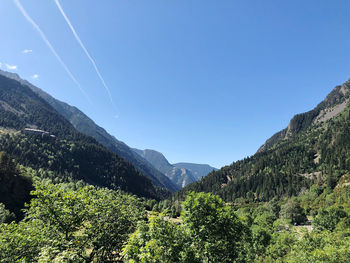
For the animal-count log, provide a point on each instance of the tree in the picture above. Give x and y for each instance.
(159, 241)
(210, 232)
(293, 211)
(5, 215)
(14, 187)
(216, 232)
(62, 223)
(329, 218)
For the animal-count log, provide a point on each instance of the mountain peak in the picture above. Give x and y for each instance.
(331, 106)
(181, 174)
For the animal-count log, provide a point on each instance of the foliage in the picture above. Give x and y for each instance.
(86, 224)
(329, 218)
(210, 232)
(5, 215)
(160, 241)
(293, 211)
(14, 188)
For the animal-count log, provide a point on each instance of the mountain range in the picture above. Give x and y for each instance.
(87, 126)
(314, 146)
(181, 174)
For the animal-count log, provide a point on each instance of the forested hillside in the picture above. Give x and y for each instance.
(314, 147)
(52, 144)
(85, 125)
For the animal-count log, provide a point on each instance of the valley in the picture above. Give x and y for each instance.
(264, 208)
(174, 131)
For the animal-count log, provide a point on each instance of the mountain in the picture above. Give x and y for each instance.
(314, 148)
(198, 170)
(332, 105)
(42, 140)
(181, 174)
(85, 125)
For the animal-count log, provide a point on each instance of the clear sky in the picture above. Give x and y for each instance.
(200, 81)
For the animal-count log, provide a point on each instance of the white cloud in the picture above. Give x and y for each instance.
(0, 64)
(11, 67)
(27, 51)
(35, 76)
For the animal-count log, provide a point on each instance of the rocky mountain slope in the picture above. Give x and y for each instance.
(181, 174)
(332, 105)
(198, 170)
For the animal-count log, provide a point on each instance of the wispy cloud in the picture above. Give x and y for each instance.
(27, 51)
(35, 76)
(11, 67)
(86, 52)
(47, 42)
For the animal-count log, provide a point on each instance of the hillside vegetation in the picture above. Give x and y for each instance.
(85, 125)
(68, 154)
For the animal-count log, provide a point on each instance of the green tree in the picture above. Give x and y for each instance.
(329, 218)
(159, 241)
(216, 232)
(5, 215)
(62, 223)
(210, 232)
(293, 211)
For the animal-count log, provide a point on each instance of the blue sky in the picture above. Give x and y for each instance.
(200, 81)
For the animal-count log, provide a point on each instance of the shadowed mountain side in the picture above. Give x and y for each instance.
(85, 125)
(38, 136)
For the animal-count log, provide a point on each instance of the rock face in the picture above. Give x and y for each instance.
(330, 107)
(198, 170)
(181, 174)
(85, 125)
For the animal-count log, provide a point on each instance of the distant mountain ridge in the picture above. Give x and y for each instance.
(198, 170)
(181, 174)
(85, 125)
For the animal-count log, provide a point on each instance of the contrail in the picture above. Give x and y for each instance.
(47, 42)
(86, 51)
